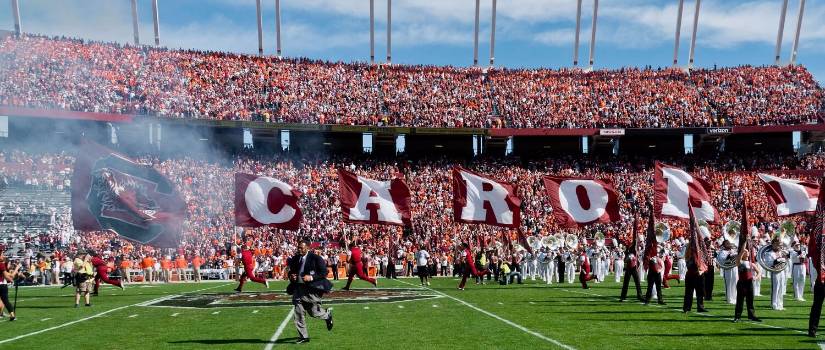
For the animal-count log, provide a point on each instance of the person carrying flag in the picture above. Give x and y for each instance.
(356, 267)
(696, 265)
(102, 269)
(746, 263)
(248, 258)
(653, 262)
(585, 274)
(631, 265)
(816, 241)
(469, 266)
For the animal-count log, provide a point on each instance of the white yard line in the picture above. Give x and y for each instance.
(280, 330)
(510, 323)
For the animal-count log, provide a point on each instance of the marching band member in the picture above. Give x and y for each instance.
(681, 264)
(584, 270)
(655, 266)
(778, 280)
(570, 266)
(798, 258)
(667, 275)
(631, 271)
(618, 264)
(744, 286)
(730, 275)
(709, 275)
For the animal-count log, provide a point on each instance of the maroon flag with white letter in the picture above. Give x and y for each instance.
(677, 191)
(580, 201)
(368, 201)
(265, 201)
(478, 199)
(790, 196)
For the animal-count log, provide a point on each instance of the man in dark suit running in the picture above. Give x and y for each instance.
(307, 284)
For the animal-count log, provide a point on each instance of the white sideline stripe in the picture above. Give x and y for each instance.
(511, 323)
(366, 307)
(46, 319)
(175, 314)
(133, 316)
(66, 324)
(279, 330)
(254, 311)
(97, 315)
(216, 312)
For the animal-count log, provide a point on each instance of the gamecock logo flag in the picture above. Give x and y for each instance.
(790, 196)
(265, 201)
(478, 199)
(675, 190)
(115, 193)
(368, 201)
(581, 201)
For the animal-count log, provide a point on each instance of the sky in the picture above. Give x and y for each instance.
(529, 33)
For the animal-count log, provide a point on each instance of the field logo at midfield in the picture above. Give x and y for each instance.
(263, 299)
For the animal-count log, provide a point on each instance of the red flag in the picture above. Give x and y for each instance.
(522, 239)
(676, 191)
(265, 201)
(790, 196)
(651, 244)
(367, 201)
(743, 228)
(816, 239)
(580, 201)
(113, 192)
(478, 199)
(696, 246)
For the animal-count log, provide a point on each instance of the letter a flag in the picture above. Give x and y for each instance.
(265, 201)
(368, 201)
(478, 199)
(112, 192)
(580, 201)
(677, 191)
(790, 196)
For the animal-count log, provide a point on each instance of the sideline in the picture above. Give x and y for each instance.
(101, 314)
(511, 323)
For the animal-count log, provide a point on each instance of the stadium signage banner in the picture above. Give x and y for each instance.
(717, 131)
(611, 132)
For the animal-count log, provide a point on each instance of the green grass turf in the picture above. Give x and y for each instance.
(581, 319)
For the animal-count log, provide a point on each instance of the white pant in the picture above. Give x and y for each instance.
(798, 281)
(570, 272)
(778, 286)
(757, 286)
(618, 269)
(730, 276)
(682, 269)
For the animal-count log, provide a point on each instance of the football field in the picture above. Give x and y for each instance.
(400, 314)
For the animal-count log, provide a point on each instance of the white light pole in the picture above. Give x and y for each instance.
(389, 31)
(678, 32)
(372, 31)
(781, 31)
(15, 10)
(475, 36)
(578, 30)
(155, 19)
(260, 28)
(593, 33)
(135, 22)
(693, 38)
(798, 28)
(278, 27)
(493, 36)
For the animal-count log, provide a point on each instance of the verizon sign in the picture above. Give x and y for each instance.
(717, 131)
(611, 132)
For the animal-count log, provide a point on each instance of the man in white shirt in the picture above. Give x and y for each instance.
(422, 259)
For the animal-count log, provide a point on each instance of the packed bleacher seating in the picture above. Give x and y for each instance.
(77, 75)
(208, 189)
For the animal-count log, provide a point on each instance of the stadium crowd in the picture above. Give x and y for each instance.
(211, 242)
(77, 75)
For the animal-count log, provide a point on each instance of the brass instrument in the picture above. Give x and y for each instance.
(571, 241)
(662, 230)
(598, 238)
(534, 242)
(730, 232)
(782, 253)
